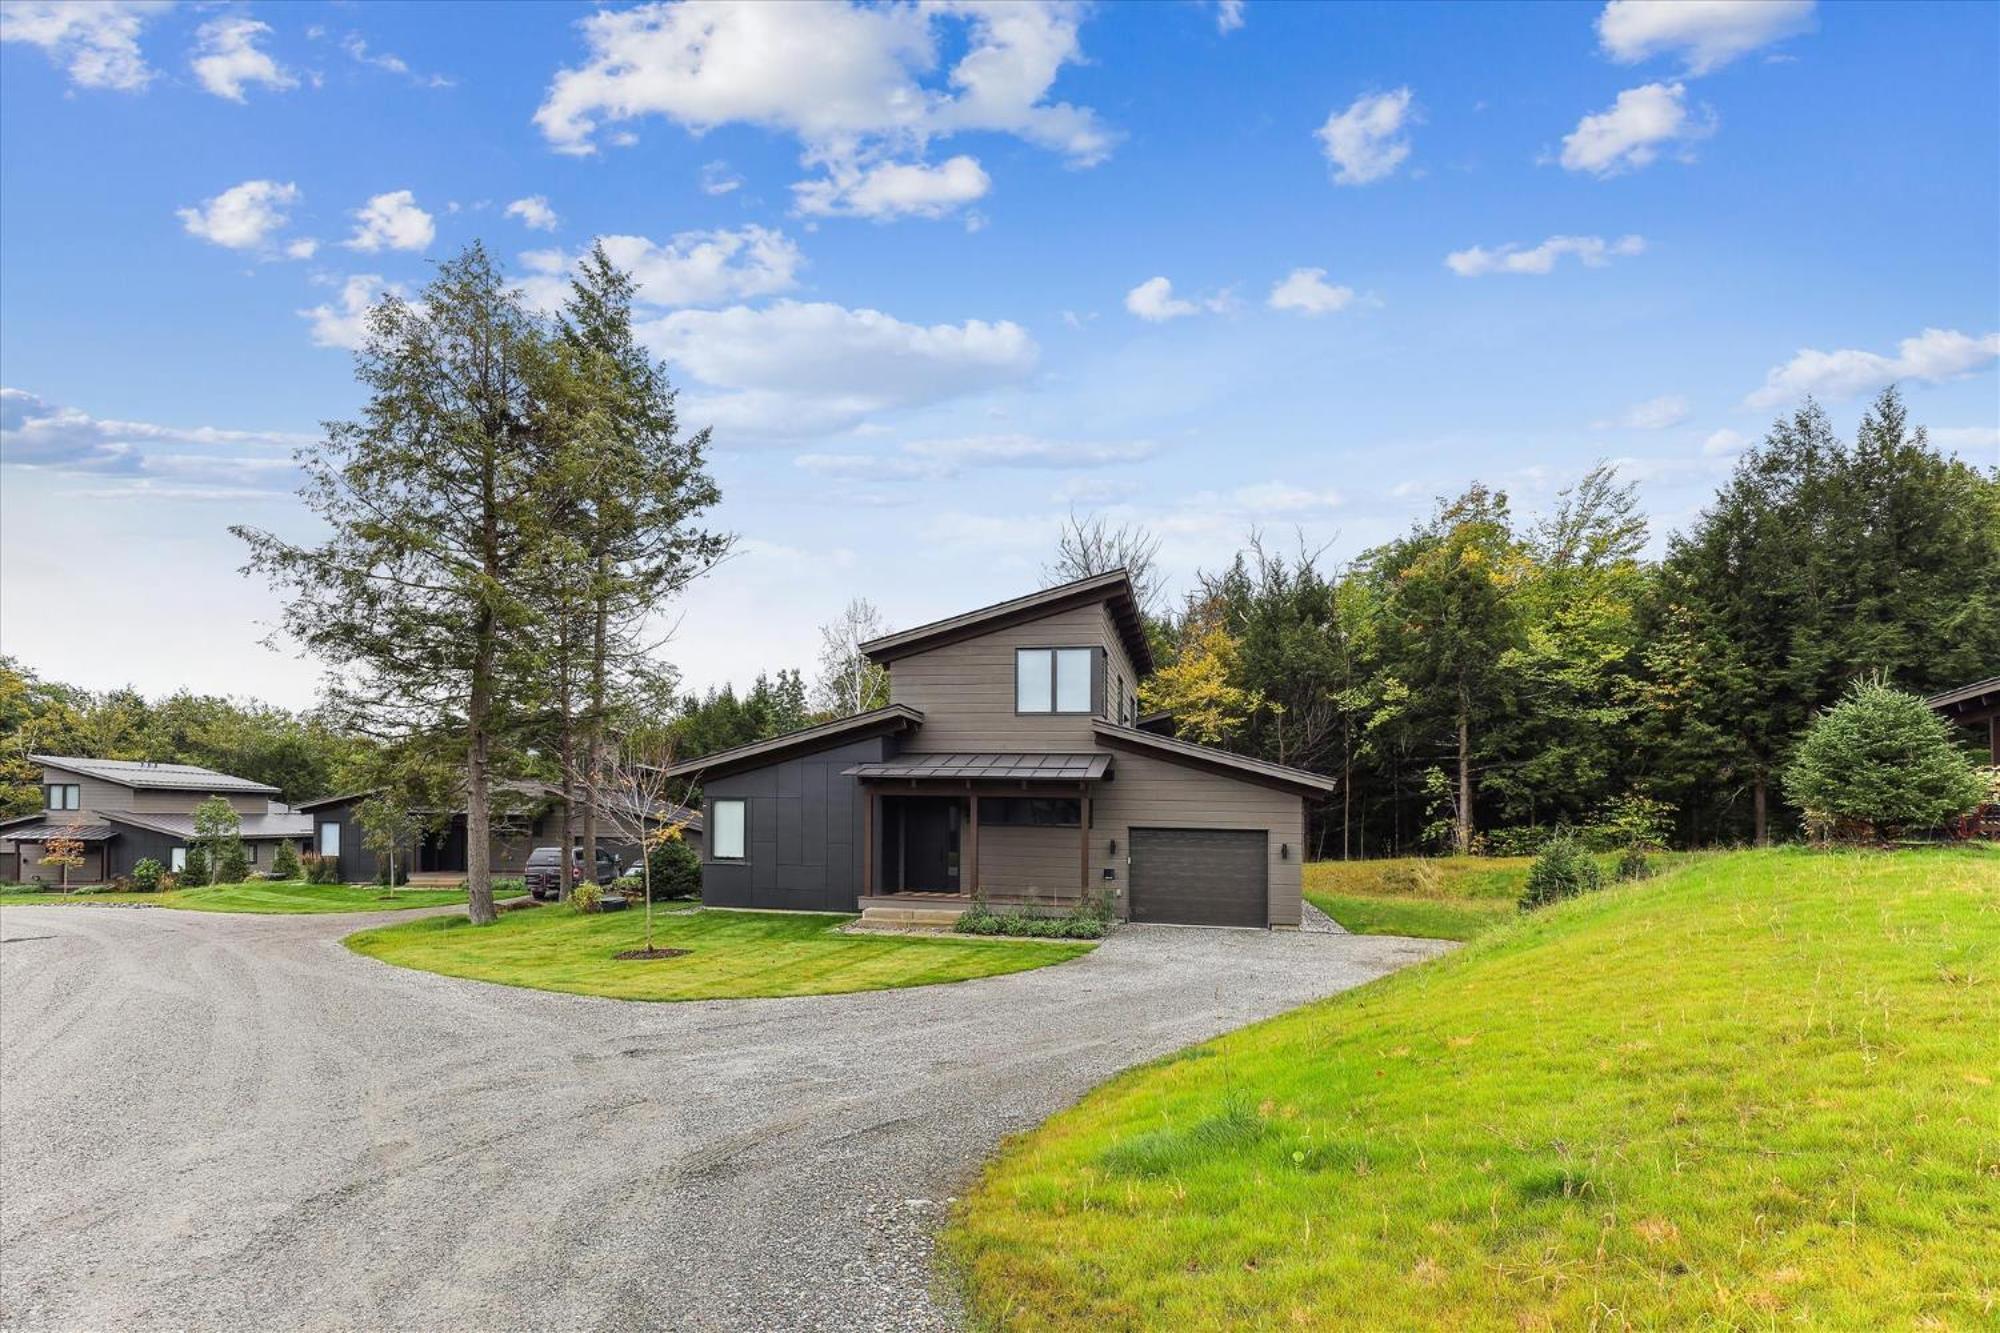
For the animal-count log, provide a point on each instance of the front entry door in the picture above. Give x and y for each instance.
(930, 837)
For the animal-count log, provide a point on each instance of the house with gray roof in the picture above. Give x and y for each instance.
(125, 810)
(1011, 763)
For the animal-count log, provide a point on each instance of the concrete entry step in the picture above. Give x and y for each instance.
(911, 915)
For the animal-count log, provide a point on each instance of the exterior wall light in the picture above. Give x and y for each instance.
(1284, 851)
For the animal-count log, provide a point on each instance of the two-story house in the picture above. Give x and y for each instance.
(1009, 762)
(123, 811)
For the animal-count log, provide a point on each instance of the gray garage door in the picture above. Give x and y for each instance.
(1200, 877)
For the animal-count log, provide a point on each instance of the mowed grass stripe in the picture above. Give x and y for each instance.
(1757, 1091)
(732, 954)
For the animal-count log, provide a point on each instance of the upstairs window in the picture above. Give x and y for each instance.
(63, 796)
(1052, 680)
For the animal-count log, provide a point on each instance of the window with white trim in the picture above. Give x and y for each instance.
(329, 840)
(726, 819)
(1052, 680)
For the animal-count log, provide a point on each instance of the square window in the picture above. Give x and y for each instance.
(726, 819)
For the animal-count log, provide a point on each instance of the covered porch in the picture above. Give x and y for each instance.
(941, 830)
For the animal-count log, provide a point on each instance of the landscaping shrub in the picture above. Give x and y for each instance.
(382, 874)
(285, 862)
(146, 875)
(194, 871)
(232, 866)
(585, 897)
(1633, 863)
(1563, 870)
(676, 870)
(169, 881)
(321, 869)
(1090, 919)
(509, 888)
(1879, 762)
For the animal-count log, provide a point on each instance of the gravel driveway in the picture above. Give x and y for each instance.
(215, 1122)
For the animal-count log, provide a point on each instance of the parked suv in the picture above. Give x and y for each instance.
(544, 872)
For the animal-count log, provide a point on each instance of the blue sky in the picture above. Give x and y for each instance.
(939, 275)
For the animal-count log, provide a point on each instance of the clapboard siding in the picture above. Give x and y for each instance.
(1043, 862)
(1153, 793)
(94, 793)
(966, 690)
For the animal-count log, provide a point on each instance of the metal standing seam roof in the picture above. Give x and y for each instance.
(253, 827)
(43, 832)
(153, 777)
(1252, 769)
(989, 767)
(891, 717)
(1114, 587)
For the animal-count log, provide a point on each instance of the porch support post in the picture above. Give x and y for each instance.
(970, 876)
(1083, 827)
(868, 800)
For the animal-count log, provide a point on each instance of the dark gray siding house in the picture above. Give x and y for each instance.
(1012, 763)
(526, 815)
(124, 811)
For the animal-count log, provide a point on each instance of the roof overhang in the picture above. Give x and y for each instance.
(1972, 703)
(1241, 767)
(876, 722)
(1114, 589)
(43, 832)
(986, 767)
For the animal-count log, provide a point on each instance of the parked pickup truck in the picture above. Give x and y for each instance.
(544, 872)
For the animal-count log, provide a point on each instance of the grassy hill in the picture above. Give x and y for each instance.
(1759, 1090)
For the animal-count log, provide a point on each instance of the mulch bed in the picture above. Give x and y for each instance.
(648, 955)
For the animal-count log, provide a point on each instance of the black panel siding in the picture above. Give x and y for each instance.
(802, 831)
(1200, 877)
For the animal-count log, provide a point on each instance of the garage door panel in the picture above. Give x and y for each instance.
(1200, 877)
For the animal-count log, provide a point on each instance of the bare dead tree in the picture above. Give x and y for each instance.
(1088, 546)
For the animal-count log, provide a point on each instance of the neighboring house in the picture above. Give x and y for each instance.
(1010, 761)
(124, 811)
(525, 815)
(1975, 706)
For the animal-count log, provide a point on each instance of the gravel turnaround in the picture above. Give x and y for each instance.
(224, 1122)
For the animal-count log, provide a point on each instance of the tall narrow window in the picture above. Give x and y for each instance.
(1119, 716)
(329, 840)
(1052, 680)
(725, 830)
(177, 860)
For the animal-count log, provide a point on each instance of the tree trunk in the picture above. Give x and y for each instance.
(566, 761)
(478, 786)
(593, 728)
(1464, 838)
(1346, 791)
(1760, 810)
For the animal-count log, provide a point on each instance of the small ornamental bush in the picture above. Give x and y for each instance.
(504, 888)
(1877, 763)
(194, 871)
(1089, 920)
(321, 869)
(146, 875)
(285, 862)
(1633, 863)
(233, 865)
(676, 870)
(169, 881)
(1563, 870)
(585, 897)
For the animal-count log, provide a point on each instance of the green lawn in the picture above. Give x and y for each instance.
(1440, 898)
(1758, 1091)
(263, 897)
(733, 954)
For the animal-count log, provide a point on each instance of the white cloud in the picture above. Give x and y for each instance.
(357, 48)
(894, 189)
(1933, 356)
(95, 41)
(794, 368)
(1228, 15)
(717, 178)
(693, 268)
(1154, 301)
(842, 77)
(935, 460)
(392, 221)
(303, 248)
(343, 322)
(242, 217)
(1722, 443)
(1591, 251)
(1281, 497)
(1968, 437)
(1653, 414)
(227, 58)
(534, 212)
(1629, 134)
(1707, 34)
(35, 433)
(1367, 142)
(1307, 291)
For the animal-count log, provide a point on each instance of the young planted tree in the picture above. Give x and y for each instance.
(389, 829)
(217, 830)
(434, 503)
(640, 486)
(848, 682)
(1881, 761)
(639, 807)
(285, 862)
(64, 850)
